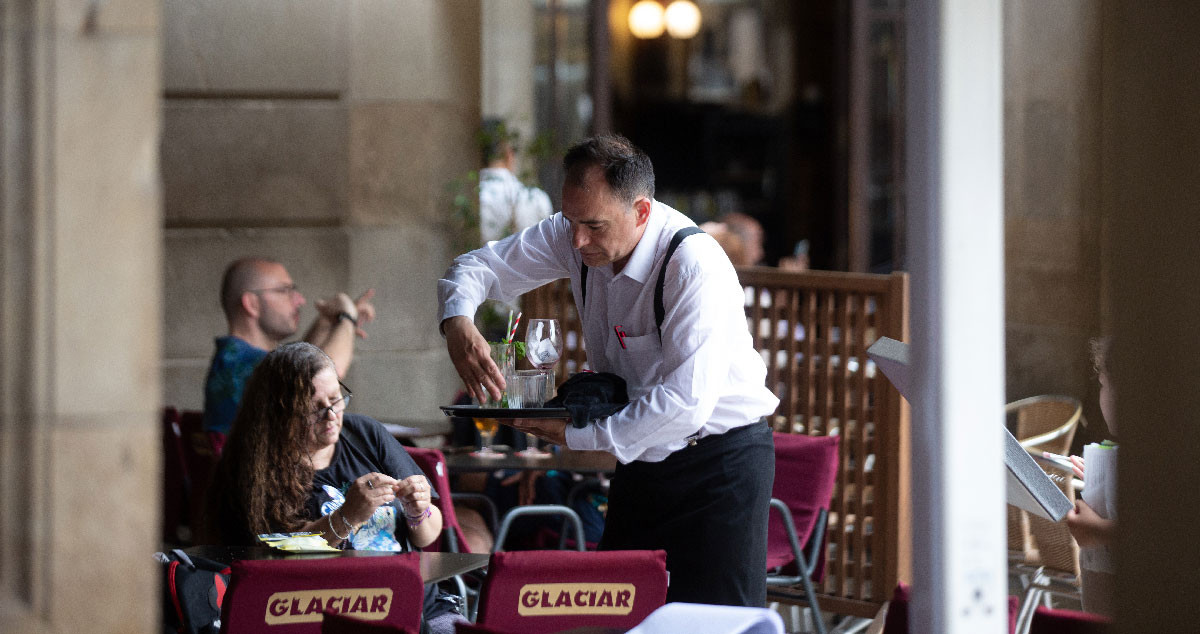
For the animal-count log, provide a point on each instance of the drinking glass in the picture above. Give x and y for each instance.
(487, 431)
(505, 357)
(543, 347)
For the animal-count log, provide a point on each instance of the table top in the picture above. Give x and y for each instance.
(435, 567)
(563, 460)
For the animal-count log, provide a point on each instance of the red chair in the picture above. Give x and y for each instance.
(201, 450)
(433, 463)
(542, 591)
(896, 621)
(176, 485)
(291, 596)
(1051, 621)
(805, 474)
(341, 624)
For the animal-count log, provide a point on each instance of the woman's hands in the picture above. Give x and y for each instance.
(414, 495)
(366, 494)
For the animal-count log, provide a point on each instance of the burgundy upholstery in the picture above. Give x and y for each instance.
(896, 621)
(201, 449)
(473, 628)
(1050, 621)
(175, 478)
(290, 596)
(805, 473)
(433, 463)
(341, 624)
(540, 591)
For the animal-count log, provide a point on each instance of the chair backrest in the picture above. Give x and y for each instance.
(290, 596)
(1052, 621)
(542, 591)
(1046, 423)
(176, 487)
(201, 450)
(896, 620)
(335, 623)
(805, 474)
(433, 463)
(1056, 547)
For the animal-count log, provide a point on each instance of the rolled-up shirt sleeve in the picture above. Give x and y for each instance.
(505, 269)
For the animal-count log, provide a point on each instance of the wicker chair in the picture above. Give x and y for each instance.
(1046, 423)
(1058, 556)
(1042, 423)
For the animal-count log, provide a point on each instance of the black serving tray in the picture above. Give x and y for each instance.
(475, 411)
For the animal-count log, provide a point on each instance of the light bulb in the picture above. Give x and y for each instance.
(683, 19)
(646, 19)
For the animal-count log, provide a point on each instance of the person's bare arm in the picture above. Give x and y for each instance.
(334, 333)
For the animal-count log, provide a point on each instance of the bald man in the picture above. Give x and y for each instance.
(262, 308)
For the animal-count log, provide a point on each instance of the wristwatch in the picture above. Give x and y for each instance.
(346, 316)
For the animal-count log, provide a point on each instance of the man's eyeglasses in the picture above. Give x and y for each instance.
(336, 407)
(290, 289)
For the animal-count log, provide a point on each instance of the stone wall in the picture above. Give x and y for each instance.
(320, 134)
(1052, 197)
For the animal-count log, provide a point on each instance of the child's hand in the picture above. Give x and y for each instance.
(1088, 528)
(1077, 466)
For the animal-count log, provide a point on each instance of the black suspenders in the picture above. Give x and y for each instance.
(660, 311)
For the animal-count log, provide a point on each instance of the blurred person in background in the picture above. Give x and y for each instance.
(262, 308)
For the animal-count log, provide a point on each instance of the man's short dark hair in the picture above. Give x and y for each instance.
(494, 138)
(240, 276)
(627, 169)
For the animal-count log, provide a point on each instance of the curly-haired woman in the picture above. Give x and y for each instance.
(295, 461)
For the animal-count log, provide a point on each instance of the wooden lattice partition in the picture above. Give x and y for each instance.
(813, 329)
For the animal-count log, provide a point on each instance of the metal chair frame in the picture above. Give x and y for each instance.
(805, 564)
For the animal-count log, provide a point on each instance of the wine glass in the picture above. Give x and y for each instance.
(543, 348)
(487, 432)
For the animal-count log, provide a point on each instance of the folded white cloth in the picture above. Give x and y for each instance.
(695, 618)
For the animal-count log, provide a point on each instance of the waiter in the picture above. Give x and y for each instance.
(696, 460)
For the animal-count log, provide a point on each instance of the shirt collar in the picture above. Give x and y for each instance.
(641, 261)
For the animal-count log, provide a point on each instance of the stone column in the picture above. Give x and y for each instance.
(80, 316)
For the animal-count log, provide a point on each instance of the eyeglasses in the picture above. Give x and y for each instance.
(335, 408)
(290, 289)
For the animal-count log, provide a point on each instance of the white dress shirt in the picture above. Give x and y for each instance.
(704, 378)
(507, 205)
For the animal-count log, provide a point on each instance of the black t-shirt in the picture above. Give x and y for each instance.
(364, 446)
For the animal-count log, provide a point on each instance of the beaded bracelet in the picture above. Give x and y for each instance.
(415, 520)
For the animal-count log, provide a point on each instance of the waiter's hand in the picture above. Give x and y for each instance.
(472, 357)
(551, 430)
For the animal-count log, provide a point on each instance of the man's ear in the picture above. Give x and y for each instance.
(642, 207)
(250, 304)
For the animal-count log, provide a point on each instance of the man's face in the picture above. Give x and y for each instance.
(603, 229)
(279, 302)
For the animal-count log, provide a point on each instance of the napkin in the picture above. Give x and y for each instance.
(591, 395)
(296, 542)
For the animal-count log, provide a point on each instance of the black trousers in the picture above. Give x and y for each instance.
(706, 505)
